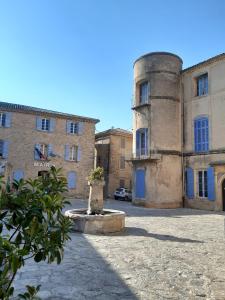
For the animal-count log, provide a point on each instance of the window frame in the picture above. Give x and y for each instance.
(202, 85)
(2, 119)
(45, 124)
(44, 151)
(201, 134)
(202, 183)
(73, 153)
(74, 128)
(1, 148)
(143, 95)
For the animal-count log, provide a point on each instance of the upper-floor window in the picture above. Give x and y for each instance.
(142, 141)
(41, 151)
(45, 124)
(122, 162)
(5, 119)
(202, 85)
(201, 134)
(122, 142)
(202, 184)
(74, 127)
(72, 153)
(143, 92)
(2, 119)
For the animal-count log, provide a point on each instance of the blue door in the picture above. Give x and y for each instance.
(140, 183)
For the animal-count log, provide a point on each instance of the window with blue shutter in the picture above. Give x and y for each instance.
(37, 151)
(211, 183)
(78, 153)
(142, 141)
(18, 174)
(5, 119)
(4, 148)
(203, 184)
(189, 183)
(140, 183)
(71, 180)
(67, 152)
(44, 124)
(201, 134)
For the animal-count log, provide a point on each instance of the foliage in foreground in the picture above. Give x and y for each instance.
(32, 225)
(96, 174)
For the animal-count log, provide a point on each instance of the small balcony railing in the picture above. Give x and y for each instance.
(145, 154)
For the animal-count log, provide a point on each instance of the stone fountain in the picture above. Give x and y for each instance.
(96, 219)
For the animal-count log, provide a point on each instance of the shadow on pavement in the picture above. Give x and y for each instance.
(83, 274)
(134, 231)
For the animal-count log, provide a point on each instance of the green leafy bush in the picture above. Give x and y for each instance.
(32, 225)
(96, 174)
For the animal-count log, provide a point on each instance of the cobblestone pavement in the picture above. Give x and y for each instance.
(162, 254)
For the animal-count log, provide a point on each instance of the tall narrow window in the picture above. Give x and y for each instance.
(73, 128)
(2, 119)
(201, 133)
(45, 124)
(122, 162)
(202, 184)
(122, 183)
(122, 142)
(73, 153)
(1, 148)
(142, 141)
(144, 92)
(202, 85)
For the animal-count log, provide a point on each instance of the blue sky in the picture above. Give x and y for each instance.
(77, 56)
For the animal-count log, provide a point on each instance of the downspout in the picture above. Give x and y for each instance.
(182, 140)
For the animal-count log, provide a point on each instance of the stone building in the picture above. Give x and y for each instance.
(33, 139)
(179, 123)
(114, 147)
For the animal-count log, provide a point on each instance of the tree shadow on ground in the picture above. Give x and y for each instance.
(83, 274)
(135, 231)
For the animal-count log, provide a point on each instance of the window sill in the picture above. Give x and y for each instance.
(200, 97)
(140, 105)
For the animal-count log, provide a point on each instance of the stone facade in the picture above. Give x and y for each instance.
(22, 135)
(178, 150)
(114, 147)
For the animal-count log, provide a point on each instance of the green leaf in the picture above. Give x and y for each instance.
(2, 215)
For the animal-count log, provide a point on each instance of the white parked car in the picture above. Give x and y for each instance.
(123, 194)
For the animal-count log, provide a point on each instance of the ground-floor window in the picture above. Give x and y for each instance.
(202, 184)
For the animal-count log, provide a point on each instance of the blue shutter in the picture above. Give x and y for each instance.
(80, 128)
(79, 153)
(71, 180)
(52, 125)
(211, 183)
(36, 154)
(146, 141)
(201, 134)
(138, 143)
(8, 119)
(196, 134)
(18, 174)
(190, 183)
(38, 123)
(50, 150)
(140, 183)
(67, 152)
(68, 126)
(5, 149)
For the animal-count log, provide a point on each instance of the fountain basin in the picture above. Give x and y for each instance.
(110, 221)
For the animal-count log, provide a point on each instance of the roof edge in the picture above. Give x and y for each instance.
(157, 53)
(205, 62)
(7, 106)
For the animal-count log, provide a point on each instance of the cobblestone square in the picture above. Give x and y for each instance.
(162, 254)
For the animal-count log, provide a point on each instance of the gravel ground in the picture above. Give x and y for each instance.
(162, 254)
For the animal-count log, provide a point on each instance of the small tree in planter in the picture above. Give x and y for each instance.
(96, 183)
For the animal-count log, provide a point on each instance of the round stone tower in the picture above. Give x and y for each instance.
(157, 137)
